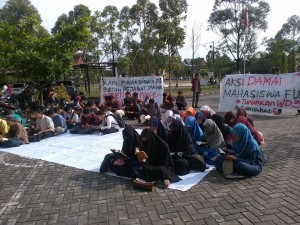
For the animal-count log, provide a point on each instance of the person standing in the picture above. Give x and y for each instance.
(196, 89)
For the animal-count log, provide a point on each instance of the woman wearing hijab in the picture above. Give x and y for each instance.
(224, 128)
(229, 118)
(207, 111)
(159, 164)
(157, 127)
(167, 119)
(213, 135)
(119, 165)
(257, 135)
(181, 145)
(198, 137)
(242, 112)
(190, 111)
(194, 130)
(200, 119)
(248, 157)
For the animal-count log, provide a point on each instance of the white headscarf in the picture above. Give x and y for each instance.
(164, 120)
(207, 108)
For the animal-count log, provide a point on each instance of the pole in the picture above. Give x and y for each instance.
(112, 51)
(244, 64)
(213, 55)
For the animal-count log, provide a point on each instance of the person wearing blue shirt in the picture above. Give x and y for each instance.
(60, 125)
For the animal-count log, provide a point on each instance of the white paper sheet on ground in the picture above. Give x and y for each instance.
(87, 152)
(190, 180)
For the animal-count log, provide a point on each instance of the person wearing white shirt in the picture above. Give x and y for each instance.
(71, 117)
(108, 122)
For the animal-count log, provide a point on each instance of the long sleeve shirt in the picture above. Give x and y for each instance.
(91, 120)
(109, 122)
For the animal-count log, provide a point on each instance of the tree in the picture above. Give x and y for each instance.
(15, 11)
(285, 41)
(228, 20)
(195, 39)
(290, 29)
(283, 65)
(21, 40)
(220, 63)
(170, 33)
(144, 15)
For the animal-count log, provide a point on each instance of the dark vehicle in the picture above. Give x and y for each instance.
(212, 82)
(69, 85)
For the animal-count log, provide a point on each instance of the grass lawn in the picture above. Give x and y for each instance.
(95, 92)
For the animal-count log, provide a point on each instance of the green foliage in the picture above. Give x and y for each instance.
(283, 65)
(227, 19)
(28, 50)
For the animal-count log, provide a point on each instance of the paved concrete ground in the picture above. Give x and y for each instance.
(38, 192)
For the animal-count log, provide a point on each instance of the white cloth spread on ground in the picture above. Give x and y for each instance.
(87, 152)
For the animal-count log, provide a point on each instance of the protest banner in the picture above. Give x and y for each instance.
(152, 86)
(260, 93)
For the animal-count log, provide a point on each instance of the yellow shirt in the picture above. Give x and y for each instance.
(3, 127)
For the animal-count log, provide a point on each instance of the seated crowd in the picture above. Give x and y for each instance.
(174, 143)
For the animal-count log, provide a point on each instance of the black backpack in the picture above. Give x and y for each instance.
(119, 120)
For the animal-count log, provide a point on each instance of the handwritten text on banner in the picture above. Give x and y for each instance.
(152, 86)
(260, 93)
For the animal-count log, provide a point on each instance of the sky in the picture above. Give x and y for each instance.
(198, 11)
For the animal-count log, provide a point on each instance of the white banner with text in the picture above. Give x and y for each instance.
(152, 86)
(260, 93)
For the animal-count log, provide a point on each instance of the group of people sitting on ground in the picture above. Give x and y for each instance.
(174, 143)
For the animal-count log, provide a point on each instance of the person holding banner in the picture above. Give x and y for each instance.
(196, 89)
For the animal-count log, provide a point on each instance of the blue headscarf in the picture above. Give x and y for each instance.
(199, 115)
(195, 131)
(247, 145)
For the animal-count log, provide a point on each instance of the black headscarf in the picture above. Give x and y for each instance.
(224, 128)
(179, 139)
(159, 157)
(157, 150)
(131, 140)
(161, 131)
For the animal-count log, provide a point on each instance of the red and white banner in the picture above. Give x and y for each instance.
(260, 93)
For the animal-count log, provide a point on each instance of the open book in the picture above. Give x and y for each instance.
(201, 143)
(119, 154)
(141, 155)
